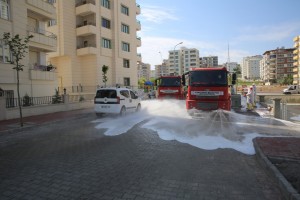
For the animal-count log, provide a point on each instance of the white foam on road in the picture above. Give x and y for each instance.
(214, 130)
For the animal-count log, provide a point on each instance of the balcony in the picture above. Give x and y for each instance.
(138, 25)
(86, 8)
(296, 45)
(43, 40)
(296, 64)
(42, 75)
(295, 69)
(41, 7)
(296, 39)
(86, 50)
(296, 57)
(139, 42)
(138, 9)
(85, 30)
(296, 51)
(139, 57)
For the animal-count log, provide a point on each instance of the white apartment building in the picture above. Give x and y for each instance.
(175, 62)
(190, 58)
(184, 59)
(144, 70)
(230, 66)
(251, 67)
(296, 58)
(28, 17)
(93, 33)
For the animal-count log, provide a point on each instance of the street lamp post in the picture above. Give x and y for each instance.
(161, 72)
(174, 54)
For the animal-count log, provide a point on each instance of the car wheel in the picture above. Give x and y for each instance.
(138, 108)
(123, 111)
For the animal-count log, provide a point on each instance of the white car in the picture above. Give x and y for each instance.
(116, 101)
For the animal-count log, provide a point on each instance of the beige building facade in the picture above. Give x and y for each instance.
(28, 17)
(277, 64)
(144, 70)
(93, 33)
(296, 58)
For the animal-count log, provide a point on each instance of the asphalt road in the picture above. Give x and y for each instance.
(73, 160)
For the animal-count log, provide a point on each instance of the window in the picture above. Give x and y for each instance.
(125, 46)
(105, 3)
(106, 43)
(126, 63)
(105, 23)
(126, 81)
(125, 10)
(4, 9)
(52, 22)
(5, 55)
(125, 93)
(125, 28)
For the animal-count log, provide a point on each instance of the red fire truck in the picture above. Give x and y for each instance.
(169, 87)
(208, 88)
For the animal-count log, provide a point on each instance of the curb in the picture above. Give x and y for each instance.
(30, 127)
(285, 187)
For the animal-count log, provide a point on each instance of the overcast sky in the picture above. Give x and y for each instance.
(250, 27)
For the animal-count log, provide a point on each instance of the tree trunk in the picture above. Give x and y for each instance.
(19, 99)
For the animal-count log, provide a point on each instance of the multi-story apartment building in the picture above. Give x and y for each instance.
(184, 59)
(230, 66)
(190, 58)
(93, 33)
(209, 61)
(144, 70)
(175, 62)
(296, 59)
(162, 69)
(28, 17)
(277, 64)
(251, 67)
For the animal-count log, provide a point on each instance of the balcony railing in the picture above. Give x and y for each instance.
(83, 2)
(89, 49)
(46, 38)
(138, 25)
(43, 7)
(138, 9)
(85, 30)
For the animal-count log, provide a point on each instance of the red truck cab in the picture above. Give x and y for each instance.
(208, 89)
(169, 87)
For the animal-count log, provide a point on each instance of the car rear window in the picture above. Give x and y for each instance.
(106, 93)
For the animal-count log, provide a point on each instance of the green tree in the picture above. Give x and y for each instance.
(141, 82)
(237, 69)
(288, 80)
(18, 47)
(104, 74)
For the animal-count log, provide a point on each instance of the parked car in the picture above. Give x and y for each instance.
(116, 101)
(292, 89)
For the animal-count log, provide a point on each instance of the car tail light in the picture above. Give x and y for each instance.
(118, 100)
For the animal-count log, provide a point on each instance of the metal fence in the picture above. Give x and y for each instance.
(46, 100)
(31, 101)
